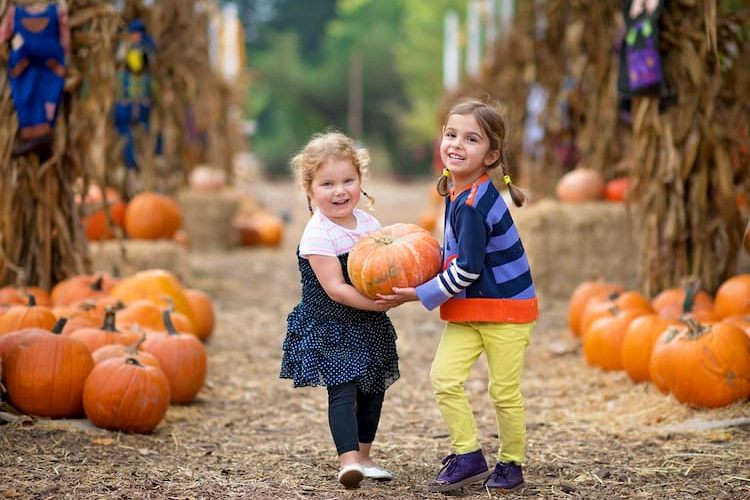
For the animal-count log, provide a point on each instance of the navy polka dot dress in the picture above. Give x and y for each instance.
(328, 343)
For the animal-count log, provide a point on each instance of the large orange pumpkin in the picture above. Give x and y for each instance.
(46, 374)
(124, 395)
(152, 216)
(581, 296)
(733, 297)
(399, 255)
(703, 365)
(10, 341)
(182, 358)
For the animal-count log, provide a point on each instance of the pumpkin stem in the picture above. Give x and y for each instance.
(695, 329)
(613, 295)
(98, 283)
(58, 328)
(691, 291)
(133, 361)
(32, 300)
(171, 330)
(170, 302)
(133, 348)
(109, 320)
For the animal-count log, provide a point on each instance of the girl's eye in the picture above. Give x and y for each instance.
(325, 184)
(450, 134)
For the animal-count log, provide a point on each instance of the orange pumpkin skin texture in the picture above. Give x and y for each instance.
(156, 285)
(640, 337)
(400, 255)
(733, 297)
(17, 295)
(705, 365)
(152, 216)
(582, 294)
(602, 342)
(30, 315)
(46, 375)
(739, 320)
(203, 308)
(121, 351)
(82, 287)
(183, 360)
(125, 395)
(601, 307)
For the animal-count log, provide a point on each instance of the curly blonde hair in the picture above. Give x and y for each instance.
(324, 147)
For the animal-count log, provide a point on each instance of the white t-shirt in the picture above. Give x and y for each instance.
(324, 237)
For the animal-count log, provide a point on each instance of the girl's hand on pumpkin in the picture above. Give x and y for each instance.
(398, 297)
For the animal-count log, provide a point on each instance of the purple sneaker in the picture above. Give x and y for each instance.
(459, 470)
(506, 477)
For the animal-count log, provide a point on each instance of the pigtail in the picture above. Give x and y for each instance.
(516, 194)
(442, 183)
(370, 201)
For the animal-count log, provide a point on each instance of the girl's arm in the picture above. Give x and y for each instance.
(328, 271)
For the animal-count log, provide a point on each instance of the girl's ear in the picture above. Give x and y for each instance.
(491, 157)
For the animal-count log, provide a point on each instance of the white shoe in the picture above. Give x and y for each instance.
(376, 472)
(351, 475)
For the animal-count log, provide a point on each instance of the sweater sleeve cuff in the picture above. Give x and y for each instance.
(430, 294)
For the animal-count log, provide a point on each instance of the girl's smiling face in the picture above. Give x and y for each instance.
(335, 191)
(465, 149)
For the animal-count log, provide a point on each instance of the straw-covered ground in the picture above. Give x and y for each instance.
(250, 435)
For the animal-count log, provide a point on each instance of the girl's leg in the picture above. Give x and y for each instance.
(505, 345)
(368, 418)
(342, 418)
(458, 350)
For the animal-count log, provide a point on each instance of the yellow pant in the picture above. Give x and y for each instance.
(460, 346)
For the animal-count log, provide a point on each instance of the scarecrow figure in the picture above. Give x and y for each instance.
(133, 107)
(39, 36)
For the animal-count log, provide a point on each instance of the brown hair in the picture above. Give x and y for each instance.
(323, 147)
(495, 126)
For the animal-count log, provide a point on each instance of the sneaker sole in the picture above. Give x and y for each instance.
(351, 478)
(440, 488)
(504, 490)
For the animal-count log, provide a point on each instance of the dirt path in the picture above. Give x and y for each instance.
(250, 435)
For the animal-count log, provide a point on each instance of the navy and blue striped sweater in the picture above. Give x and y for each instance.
(486, 276)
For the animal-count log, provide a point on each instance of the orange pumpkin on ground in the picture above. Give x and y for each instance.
(27, 316)
(581, 296)
(125, 395)
(259, 228)
(182, 358)
(46, 373)
(400, 255)
(703, 365)
(640, 337)
(146, 314)
(20, 295)
(10, 341)
(602, 342)
(152, 216)
(733, 297)
(119, 351)
(673, 303)
(203, 308)
(106, 334)
(156, 285)
(601, 307)
(81, 287)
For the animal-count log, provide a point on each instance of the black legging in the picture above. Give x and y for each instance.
(353, 416)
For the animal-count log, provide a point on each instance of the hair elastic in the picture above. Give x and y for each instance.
(446, 172)
(506, 179)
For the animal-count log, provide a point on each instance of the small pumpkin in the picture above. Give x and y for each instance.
(95, 220)
(673, 303)
(203, 308)
(124, 394)
(152, 216)
(29, 315)
(616, 190)
(107, 333)
(602, 342)
(156, 285)
(733, 297)
(77, 288)
(182, 358)
(119, 350)
(581, 296)
(399, 255)
(602, 307)
(259, 228)
(580, 185)
(20, 295)
(640, 337)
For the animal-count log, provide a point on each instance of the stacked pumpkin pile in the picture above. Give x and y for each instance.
(118, 352)
(684, 341)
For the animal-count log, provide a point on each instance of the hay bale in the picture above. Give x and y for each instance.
(127, 257)
(207, 218)
(569, 243)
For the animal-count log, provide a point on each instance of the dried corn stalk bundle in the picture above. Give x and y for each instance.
(42, 241)
(687, 165)
(192, 105)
